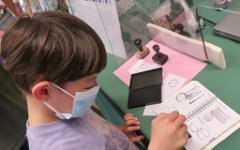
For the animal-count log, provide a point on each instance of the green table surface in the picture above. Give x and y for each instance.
(224, 83)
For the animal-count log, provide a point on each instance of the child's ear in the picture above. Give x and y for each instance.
(40, 91)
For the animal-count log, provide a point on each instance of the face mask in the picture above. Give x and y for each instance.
(82, 101)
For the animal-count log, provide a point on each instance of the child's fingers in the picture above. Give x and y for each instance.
(173, 116)
(128, 114)
(136, 138)
(132, 128)
(130, 117)
(180, 120)
(132, 122)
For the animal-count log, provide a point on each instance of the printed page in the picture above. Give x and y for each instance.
(207, 116)
(209, 123)
(188, 99)
(103, 18)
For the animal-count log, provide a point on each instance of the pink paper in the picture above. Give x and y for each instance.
(178, 63)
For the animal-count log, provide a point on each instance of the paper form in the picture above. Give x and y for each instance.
(171, 84)
(102, 16)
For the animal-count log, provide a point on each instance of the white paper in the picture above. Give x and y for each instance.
(103, 18)
(207, 116)
(151, 110)
(141, 66)
(170, 85)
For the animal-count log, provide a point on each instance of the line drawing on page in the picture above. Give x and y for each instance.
(173, 83)
(220, 115)
(191, 95)
(208, 116)
(197, 128)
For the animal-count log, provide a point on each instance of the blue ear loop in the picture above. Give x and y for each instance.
(57, 113)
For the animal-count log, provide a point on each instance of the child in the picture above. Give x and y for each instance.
(54, 58)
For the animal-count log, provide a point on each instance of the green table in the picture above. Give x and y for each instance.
(224, 83)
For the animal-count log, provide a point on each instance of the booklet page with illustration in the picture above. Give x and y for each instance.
(209, 119)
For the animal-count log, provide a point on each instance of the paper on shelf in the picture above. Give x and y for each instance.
(103, 18)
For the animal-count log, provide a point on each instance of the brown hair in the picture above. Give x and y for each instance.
(51, 46)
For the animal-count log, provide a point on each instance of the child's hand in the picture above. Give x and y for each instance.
(131, 124)
(168, 132)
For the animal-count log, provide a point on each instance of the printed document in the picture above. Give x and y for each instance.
(209, 119)
(102, 16)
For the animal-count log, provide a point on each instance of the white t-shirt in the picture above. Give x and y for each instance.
(90, 132)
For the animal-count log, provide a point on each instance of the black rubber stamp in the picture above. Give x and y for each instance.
(159, 57)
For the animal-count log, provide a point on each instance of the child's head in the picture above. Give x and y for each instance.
(51, 46)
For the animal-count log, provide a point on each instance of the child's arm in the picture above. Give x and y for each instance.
(168, 132)
(131, 124)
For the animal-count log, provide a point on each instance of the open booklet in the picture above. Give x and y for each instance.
(209, 119)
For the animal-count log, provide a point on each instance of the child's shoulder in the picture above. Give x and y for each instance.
(69, 134)
(65, 134)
